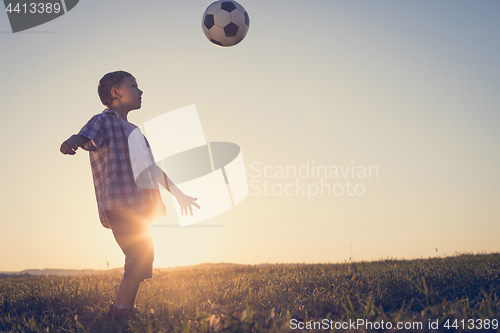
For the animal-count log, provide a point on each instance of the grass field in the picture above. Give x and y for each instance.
(276, 298)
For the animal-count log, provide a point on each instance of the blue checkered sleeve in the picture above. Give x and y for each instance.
(94, 129)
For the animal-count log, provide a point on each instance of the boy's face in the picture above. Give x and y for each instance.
(130, 94)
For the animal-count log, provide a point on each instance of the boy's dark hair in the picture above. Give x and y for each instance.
(108, 82)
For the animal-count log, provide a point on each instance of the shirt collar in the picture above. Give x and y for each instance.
(117, 116)
(112, 112)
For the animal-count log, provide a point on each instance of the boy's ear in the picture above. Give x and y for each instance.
(115, 93)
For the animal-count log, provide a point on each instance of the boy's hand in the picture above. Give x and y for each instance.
(68, 147)
(185, 201)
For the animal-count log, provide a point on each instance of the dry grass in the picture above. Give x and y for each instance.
(262, 299)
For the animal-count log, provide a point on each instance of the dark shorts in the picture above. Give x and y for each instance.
(131, 231)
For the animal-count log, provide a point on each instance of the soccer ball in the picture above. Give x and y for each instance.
(225, 23)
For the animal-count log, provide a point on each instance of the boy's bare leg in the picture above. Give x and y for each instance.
(127, 291)
(118, 297)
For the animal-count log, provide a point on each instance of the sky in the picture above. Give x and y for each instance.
(408, 88)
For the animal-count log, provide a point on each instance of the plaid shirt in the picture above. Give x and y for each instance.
(115, 186)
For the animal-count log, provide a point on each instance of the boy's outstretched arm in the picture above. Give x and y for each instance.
(185, 201)
(70, 146)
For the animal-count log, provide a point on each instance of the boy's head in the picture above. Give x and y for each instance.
(108, 82)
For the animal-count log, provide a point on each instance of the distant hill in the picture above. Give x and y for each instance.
(56, 272)
(72, 272)
(200, 266)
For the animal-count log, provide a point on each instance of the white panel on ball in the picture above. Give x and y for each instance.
(237, 17)
(222, 18)
(229, 41)
(242, 31)
(213, 8)
(206, 32)
(217, 33)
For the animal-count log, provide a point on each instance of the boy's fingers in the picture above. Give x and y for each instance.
(68, 146)
(72, 145)
(66, 149)
(184, 209)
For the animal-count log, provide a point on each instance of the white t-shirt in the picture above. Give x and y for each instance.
(128, 127)
(140, 157)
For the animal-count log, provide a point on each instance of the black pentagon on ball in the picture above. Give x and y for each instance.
(228, 6)
(231, 30)
(209, 21)
(216, 42)
(247, 19)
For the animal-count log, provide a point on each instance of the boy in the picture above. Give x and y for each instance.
(124, 207)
